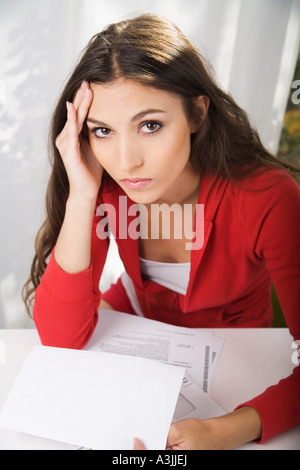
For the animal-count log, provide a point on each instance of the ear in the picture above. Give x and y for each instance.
(202, 105)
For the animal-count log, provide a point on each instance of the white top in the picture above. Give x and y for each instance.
(174, 276)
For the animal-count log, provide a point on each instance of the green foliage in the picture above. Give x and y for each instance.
(289, 146)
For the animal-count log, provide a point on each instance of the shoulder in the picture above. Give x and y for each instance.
(264, 190)
(266, 206)
(265, 178)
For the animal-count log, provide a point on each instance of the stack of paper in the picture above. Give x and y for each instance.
(195, 349)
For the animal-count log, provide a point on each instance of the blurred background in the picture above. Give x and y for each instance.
(253, 47)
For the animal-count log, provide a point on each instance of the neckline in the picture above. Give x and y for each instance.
(162, 263)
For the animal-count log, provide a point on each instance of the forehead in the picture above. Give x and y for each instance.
(128, 97)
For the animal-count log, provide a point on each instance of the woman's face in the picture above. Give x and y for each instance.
(141, 137)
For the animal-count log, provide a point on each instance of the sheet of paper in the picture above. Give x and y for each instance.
(92, 399)
(192, 348)
(193, 402)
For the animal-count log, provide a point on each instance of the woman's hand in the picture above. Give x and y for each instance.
(224, 432)
(221, 433)
(73, 246)
(188, 434)
(137, 444)
(83, 170)
(191, 434)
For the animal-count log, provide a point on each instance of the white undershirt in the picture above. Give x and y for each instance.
(174, 276)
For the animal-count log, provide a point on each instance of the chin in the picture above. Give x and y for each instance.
(140, 196)
(139, 199)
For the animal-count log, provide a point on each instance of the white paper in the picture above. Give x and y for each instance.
(92, 399)
(193, 402)
(192, 348)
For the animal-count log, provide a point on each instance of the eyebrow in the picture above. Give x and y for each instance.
(135, 118)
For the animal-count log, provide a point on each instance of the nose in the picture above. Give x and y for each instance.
(130, 155)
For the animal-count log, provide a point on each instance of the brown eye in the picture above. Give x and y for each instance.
(102, 132)
(150, 127)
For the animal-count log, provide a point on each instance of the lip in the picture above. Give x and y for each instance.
(136, 183)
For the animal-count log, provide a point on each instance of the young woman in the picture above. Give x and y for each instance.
(142, 124)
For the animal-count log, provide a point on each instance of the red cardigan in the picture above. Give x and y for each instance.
(251, 239)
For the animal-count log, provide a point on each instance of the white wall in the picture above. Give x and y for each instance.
(252, 45)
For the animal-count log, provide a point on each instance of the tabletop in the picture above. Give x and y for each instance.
(251, 360)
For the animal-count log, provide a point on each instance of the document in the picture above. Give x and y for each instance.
(94, 400)
(193, 402)
(195, 349)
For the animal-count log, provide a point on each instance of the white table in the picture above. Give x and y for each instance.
(250, 361)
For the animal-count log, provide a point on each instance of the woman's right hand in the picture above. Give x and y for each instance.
(83, 170)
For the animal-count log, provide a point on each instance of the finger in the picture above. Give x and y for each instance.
(80, 94)
(84, 107)
(137, 444)
(174, 437)
(71, 127)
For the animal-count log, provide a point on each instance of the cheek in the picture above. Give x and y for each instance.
(177, 150)
(94, 146)
(101, 154)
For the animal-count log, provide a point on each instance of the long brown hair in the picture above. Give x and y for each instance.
(154, 52)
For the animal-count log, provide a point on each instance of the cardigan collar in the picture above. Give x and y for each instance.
(210, 195)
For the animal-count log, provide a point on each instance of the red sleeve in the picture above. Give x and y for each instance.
(66, 305)
(273, 228)
(117, 297)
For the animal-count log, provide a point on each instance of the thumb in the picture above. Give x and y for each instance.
(137, 444)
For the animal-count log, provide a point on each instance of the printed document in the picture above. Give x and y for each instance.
(195, 349)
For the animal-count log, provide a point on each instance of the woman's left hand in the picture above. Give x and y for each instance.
(187, 434)
(191, 434)
(224, 432)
